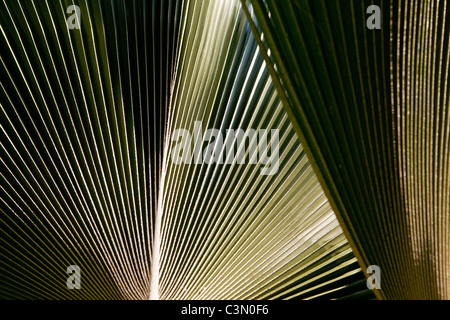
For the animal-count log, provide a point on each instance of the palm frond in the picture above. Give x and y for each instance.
(82, 121)
(86, 176)
(372, 109)
(229, 232)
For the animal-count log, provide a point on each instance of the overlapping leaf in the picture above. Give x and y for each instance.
(372, 108)
(229, 232)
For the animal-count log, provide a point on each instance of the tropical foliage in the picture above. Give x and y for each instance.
(86, 142)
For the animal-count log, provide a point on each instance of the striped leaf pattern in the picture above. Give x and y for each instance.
(229, 232)
(86, 171)
(83, 115)
(371, 108)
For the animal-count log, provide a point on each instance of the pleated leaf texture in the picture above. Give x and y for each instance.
(87, 171)
(372, 110)
(355, 122)
(83, 116)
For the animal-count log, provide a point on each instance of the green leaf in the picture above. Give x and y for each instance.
(86, 170)
(371, 108)
(227, 231)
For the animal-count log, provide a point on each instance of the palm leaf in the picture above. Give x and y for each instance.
(82, 120)
(86, 176)
(372, 109)
(229, 232)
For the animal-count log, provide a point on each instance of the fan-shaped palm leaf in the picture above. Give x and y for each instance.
(372, 107)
